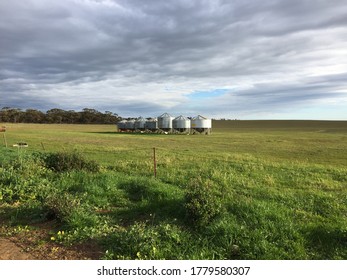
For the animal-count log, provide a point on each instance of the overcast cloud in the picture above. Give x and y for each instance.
(243, 59)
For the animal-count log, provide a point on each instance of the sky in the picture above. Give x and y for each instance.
(240, 59)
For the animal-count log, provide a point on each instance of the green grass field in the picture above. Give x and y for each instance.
(250, 190)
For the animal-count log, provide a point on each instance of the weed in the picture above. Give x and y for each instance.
(202, 201)
(143, 241)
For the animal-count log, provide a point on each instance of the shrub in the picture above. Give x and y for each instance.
(60, 205)
(63, 161)
(69, 209)
(202, 201)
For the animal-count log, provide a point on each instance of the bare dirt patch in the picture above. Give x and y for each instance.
(10, 251)
(34, 243)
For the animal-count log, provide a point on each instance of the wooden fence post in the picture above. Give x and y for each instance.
(155, 164)
(5, 140)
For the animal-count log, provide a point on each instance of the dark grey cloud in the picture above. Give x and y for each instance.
(28, 101)
(72, 53)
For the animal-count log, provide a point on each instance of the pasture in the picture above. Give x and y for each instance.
(250, 190)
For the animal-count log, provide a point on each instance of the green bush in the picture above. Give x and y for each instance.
(68, 209)
(203, 201)
(60, 205)
(63, 161)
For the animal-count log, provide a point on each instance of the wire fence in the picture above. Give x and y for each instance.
(159, 161)
(164, 162)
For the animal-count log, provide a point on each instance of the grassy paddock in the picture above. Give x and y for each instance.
(277, 190)
(313, 142)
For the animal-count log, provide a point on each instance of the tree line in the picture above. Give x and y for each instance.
(86, 116)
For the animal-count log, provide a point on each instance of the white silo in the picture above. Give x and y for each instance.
(140, 124)
(165, 122)
(181, 124)
(201, 125)
(151, 124)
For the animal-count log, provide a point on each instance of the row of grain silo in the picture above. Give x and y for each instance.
(167, 124)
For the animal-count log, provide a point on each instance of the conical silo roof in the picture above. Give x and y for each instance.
(199, 117)
(165, 115)
(181, 118)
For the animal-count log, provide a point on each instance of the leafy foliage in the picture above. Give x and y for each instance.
(144, 242)
(23, 179)
(64, 161)
(202, 201)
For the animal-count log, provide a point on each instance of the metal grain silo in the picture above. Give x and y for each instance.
(140, 124)
(121, 125)
(165, 122)
(130, 125)
(181, 124)
(151, 124)
(201, 124)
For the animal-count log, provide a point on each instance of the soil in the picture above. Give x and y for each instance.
(34, 243)
(10, 251)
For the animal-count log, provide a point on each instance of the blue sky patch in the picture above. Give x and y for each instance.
(196, 95)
